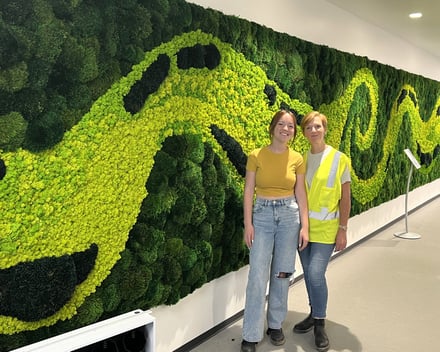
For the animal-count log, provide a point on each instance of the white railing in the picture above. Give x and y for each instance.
(101, 331)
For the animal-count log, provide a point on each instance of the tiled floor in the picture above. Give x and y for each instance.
(384, 296)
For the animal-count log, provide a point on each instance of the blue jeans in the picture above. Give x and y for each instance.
(271, 258)
(314, 259)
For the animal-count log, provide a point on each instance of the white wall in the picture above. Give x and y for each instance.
(321, 23)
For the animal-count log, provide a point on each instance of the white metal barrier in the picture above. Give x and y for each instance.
(98, 332)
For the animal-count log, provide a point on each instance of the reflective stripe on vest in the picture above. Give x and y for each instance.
(324, 214)
(332, 176)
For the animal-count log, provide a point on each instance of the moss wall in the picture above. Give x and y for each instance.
(124, 130)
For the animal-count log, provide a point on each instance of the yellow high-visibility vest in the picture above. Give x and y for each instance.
(324, 195)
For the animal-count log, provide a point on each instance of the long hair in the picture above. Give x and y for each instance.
(278, 115)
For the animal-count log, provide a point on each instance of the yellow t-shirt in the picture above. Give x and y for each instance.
(275, 174)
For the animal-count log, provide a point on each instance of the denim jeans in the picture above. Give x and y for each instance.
(314, 259)
(276, 226)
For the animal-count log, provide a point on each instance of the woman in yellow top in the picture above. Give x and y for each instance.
(328, 193)
(275, 225)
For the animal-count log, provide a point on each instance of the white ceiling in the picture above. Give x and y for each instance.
(392, 16)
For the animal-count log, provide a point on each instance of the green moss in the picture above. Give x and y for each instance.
(15, 78)
(194, 193)
(12, 131)
(111, 297)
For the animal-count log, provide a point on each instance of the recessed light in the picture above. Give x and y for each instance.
(415, 15)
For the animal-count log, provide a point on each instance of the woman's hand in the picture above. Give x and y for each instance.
(303, 239)
(341, 240)
(248, 235)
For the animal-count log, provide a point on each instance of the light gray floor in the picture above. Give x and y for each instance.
(384, 296)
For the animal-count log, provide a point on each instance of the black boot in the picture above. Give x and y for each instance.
(276, 336)
(305, 325)
(321, 338)
(247, 346)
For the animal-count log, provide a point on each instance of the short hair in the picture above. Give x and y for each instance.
(310, 116)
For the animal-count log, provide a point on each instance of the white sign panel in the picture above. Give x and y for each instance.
(412, 158)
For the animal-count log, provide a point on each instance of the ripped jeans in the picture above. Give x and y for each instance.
(271, 258)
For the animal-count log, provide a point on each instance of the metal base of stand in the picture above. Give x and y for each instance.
(407, 235)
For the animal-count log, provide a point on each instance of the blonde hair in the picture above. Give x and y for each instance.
(310, 116)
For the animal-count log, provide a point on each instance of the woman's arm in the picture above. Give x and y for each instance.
(248, 201)
(344, 214)
(301, 198)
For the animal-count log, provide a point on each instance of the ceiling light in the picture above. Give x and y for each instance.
(415, 15)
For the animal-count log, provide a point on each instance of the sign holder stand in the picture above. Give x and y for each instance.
(406, 234)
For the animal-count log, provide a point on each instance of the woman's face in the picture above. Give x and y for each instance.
(315, 131)
(284, 129)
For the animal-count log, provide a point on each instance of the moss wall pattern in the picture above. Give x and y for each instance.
(123, 143)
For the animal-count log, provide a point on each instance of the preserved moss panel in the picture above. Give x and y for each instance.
(93, 44)
(170, 250)
(143, 174)
(111, 150)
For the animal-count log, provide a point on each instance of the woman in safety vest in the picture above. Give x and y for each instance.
(328, 193)
(275, 225)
